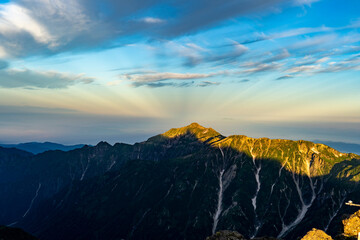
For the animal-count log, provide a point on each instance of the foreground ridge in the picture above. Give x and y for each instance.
(351, 229)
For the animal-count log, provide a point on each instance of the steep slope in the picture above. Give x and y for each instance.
(7, 233)
(28, 179)
(189, 182)
(12, 162)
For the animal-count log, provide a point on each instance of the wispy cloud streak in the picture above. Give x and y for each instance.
(25, 78)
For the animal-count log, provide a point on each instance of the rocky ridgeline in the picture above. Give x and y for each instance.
(351, 227)
(186, 183)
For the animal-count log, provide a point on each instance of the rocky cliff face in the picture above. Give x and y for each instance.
(186, 184)
(316, 234)
(27, 179)
(352, 225)
(351, 228)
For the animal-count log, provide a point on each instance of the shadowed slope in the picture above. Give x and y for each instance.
(7, 233)
(187, 182)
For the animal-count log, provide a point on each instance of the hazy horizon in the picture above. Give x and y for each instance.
(284, 132)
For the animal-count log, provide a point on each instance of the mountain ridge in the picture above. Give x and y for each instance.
(40, 147)
(342, 146)
(198, 130)
(212, 137)
(185, 183)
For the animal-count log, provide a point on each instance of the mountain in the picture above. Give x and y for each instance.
(8, 233)
(12, 163)
(36, 147)
(351, 228)
(12, 154)
(342, 146)
(186, 183)
(26, 181)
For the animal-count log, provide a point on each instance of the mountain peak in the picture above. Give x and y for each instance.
(195, 124)
(103, 144)
(203, 134)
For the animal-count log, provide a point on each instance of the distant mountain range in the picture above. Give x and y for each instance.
(37, 147)
(342, 146)
(186, 183)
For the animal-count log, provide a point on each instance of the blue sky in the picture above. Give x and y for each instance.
(87, 70)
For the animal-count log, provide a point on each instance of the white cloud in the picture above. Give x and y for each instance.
(304, 68)
(321, 60)
(152, 20)
(300, 31)
(318, 42)
(14, 19)
(3, 53)
(156, 77)
(25, 78)
(188, 50)
(163, 79)
(47, 26)
(208, 83)
(196, 47)
(194, 54)
(43, 27)
(305, 2)
(262, 67)
(278, 57)
(288, 76)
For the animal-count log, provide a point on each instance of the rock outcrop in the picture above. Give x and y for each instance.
(352, 225)
(316, 234)
(351, 230)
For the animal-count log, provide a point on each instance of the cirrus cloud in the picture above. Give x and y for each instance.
(25, 78)
(170, 79)
(157, 77)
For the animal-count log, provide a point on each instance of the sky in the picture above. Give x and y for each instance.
(83, 71)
